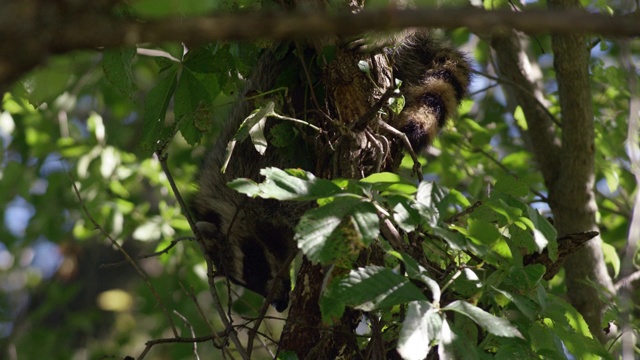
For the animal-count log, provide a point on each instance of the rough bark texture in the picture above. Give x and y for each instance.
(351, 94)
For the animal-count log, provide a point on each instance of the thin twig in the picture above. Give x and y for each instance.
(151, 343)
(210, 273)
(469, 210)
(522, 88)
(147, 256)
(505, 169)
(193, 334)
(126, 255)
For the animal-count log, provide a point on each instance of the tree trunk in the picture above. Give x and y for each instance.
(572, 197)
(349, 152)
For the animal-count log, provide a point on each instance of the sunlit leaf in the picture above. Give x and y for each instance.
(493, 324)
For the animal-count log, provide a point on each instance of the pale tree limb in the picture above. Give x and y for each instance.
(572, 196)
(628, 269)
(513, 65)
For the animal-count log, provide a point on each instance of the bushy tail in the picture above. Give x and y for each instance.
(435, 79)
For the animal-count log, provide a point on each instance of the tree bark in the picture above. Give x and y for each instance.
(572, 197)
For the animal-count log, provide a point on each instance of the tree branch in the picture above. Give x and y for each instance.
(513, 65)
(38, 28)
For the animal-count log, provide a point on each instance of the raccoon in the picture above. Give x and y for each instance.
(435, 80)
(250, 239)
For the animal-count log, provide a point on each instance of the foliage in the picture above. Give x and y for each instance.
(103, 120)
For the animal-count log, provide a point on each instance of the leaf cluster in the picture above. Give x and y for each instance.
(467, 271)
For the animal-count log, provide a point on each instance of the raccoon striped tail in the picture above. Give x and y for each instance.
(435, 79)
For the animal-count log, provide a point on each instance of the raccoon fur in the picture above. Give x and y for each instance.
(435, 79)
(249, 239)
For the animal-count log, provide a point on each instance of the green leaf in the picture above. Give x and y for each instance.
(387, 181)
(192, 106)
(287, 355)
(459, 242)
(428, 197)
(200, 60)
(46, 83)
(611, 257)
(526, 278)
(154, 130)
(405, 215)
(510, 185)
(493, 324)
(286, 185)
(116, 65)
(570, 327)
(417, 272)
(529, 308)
(518, 116)
(420, 330)
(544, 233)
(483, 232)
(374, 287)
(337, 229)
(481, 137)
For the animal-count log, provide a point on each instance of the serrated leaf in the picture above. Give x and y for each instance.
(529, 308)
(319, 235)
(493, 324)
(245, 186)
(455, 240)
(154, 131)
(420, 330)
(428, 197)
(569, 325)
(192, 105)
(366, 218)
(375, 287)
(526, 278)
(116, 65)
(286, 185)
